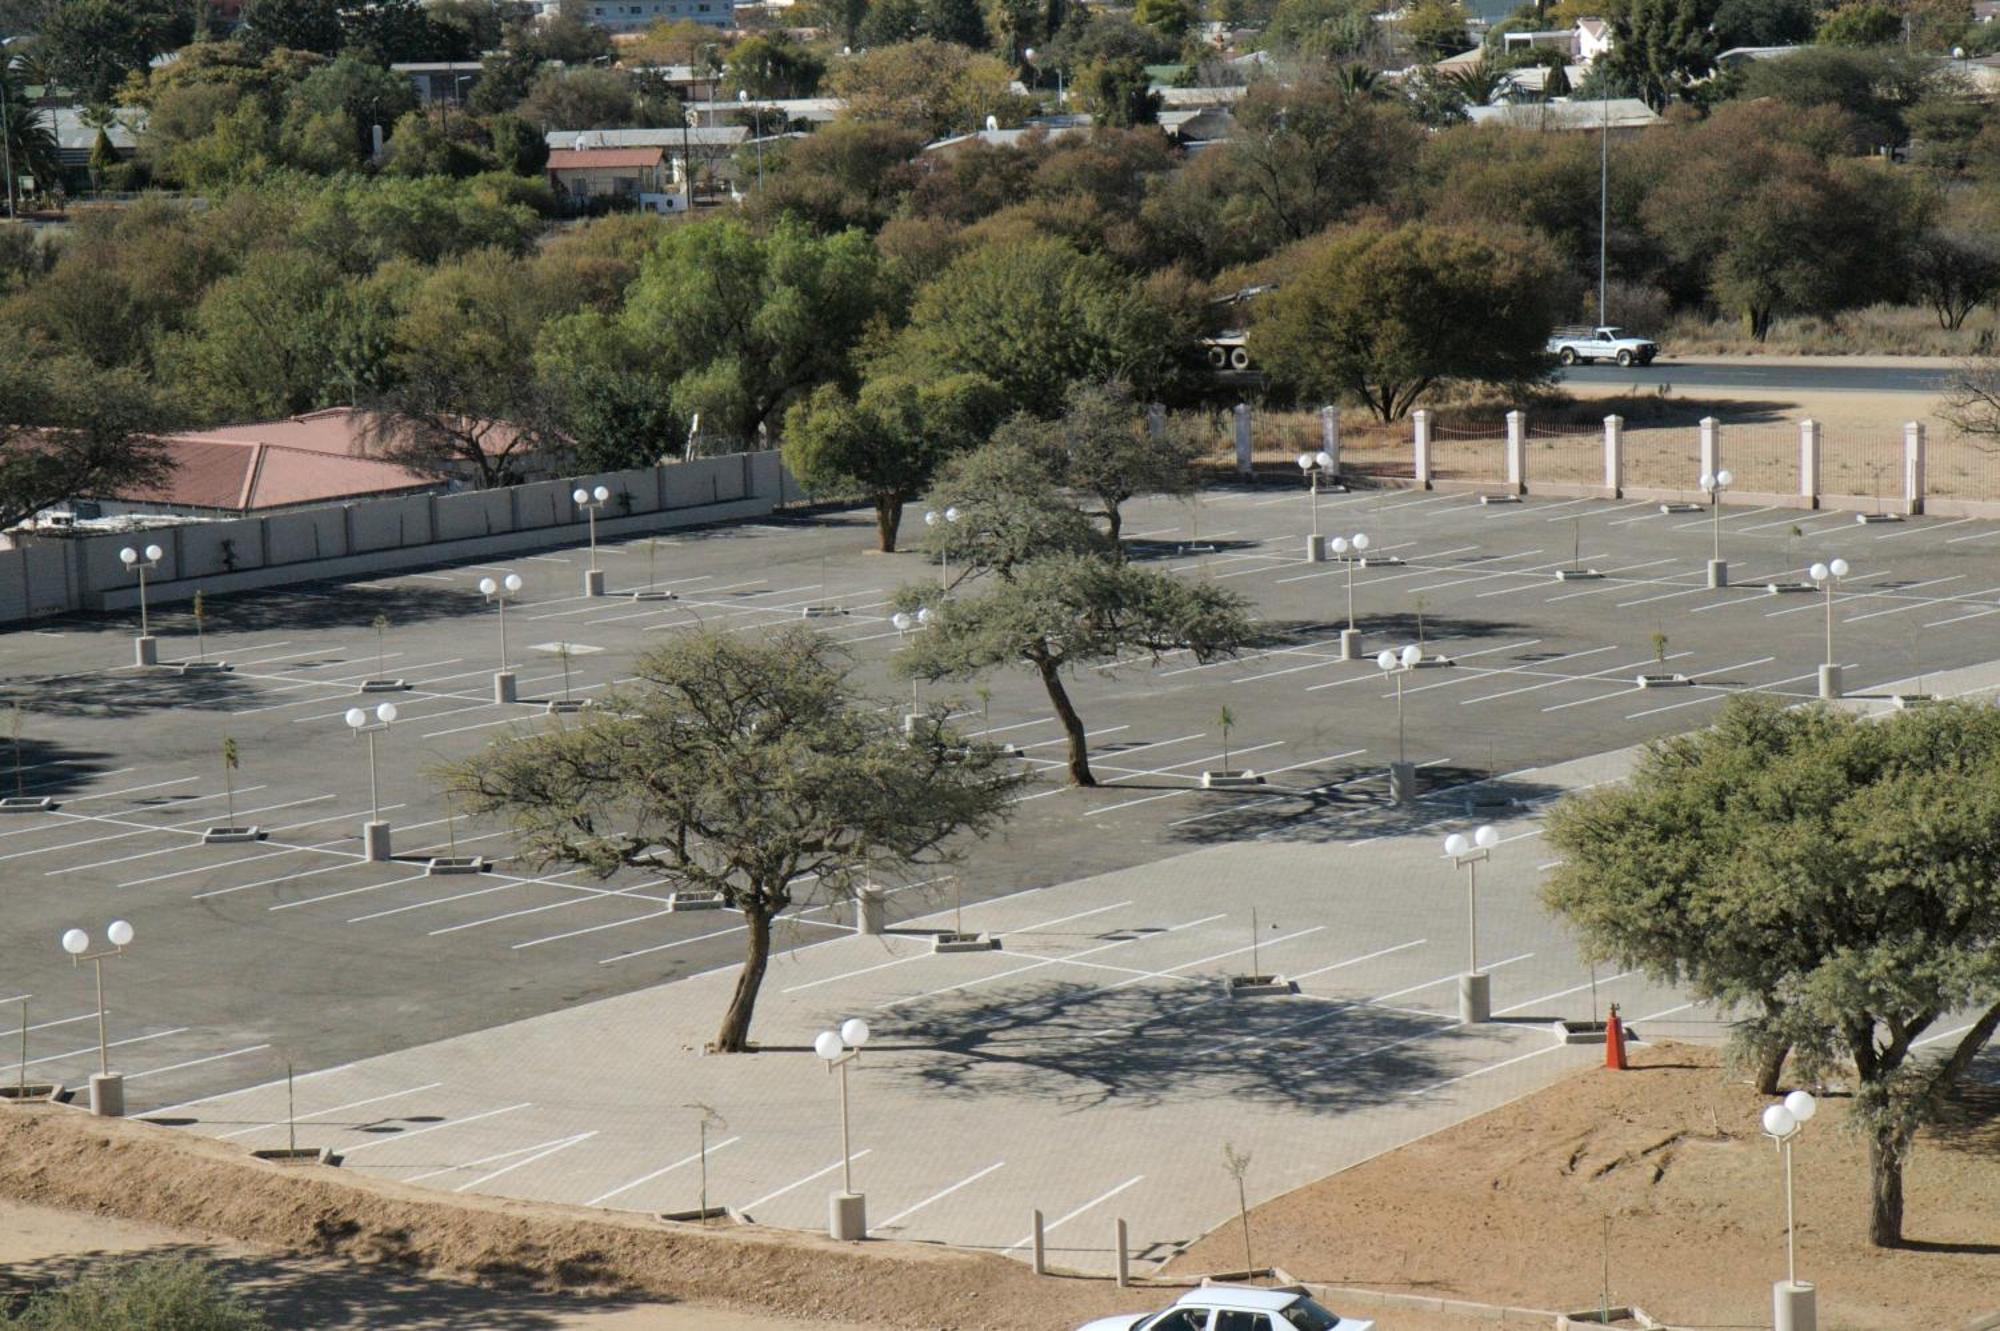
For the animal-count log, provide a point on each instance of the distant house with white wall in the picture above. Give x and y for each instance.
(581, 175)
(638, 15)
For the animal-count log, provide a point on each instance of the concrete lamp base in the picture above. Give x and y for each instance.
(1402, 782)
(593, 582)
(872, 905)
(1829, 681)
(504, 687)
(375, 840)
(1350, 644)
(1315, 549)
(107, 1094)
(847, 1217)
(1718, 573)
(1475, 998)
(146, 651)
(1794, 1306)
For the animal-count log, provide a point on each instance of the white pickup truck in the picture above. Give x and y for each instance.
(1570, 345)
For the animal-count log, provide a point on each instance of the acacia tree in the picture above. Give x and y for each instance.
(745, 767)
(1102, 447)
(1062, 612)
(1383, 314)
(1840, 876)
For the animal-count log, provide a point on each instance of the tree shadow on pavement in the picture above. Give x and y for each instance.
(1349, 803)
(47, 767)
(1079, 1045)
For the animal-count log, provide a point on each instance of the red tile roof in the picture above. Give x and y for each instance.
(591, 159)
(245, 476)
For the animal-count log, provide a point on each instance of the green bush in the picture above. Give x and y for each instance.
(155, 1294)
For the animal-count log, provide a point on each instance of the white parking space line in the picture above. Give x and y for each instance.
(624, 1188)
(796, 1184)
(522, 1164)
(966, 1182)
(195, 1062)
(1376, 675)
(1714, 693)
(330, 1109)
(489, 1159)
(1924, 603)
(1060, 1221)
(1038, 965)
(92, 1048)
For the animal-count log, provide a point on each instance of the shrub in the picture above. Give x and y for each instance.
(154, 1294)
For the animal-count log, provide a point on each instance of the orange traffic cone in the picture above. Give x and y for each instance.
(1614, 1042)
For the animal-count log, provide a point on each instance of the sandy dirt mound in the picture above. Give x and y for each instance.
(1511, 1208)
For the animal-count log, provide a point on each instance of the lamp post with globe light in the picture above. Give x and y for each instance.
(504, 689)
(1349, 549)
(1402, 776)
(1313, 466)
(950, 518)
(1793, 1302)
(145, 649)
(904, 622)
(107, 1089)
(847, 1210)
(1475, 992)
(590, 501)
(374, 832)
(1828, 576)
(1713, 486)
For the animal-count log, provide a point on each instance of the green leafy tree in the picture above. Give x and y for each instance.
(1834, 874)
(1382, 314)
(30, 135)
(743, 323)
(296, 25)
(889, 441)
(1012, 510)
(1322, 29)
(1860, 23)
(748, 767)
(1763, 23)
(612, 402)
(465, 397)
(1169, 17)
(1436, 29)
(69, 430)
(1663, 46)
(585, 99)
(1035, 316)
(774, 64)
(1061, 613)
(1118, 92)
(92, 46)
(937, 87)
(259, 346)
(363, 95)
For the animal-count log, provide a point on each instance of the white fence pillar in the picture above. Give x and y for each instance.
(1809, 462)
(1517, 452)
(1614, 455)
(1420, 422)
(1156, 421)
(1038, 1252)
(1913, 467)
(1119, 1238)
(1329, 434)
(1243, 467)
(1711, 445)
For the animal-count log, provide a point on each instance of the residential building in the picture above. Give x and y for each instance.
(449, 81)
(708, 147)
(638, 15)
(581, 175)
(1621, 115)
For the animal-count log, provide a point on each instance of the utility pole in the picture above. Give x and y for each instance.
(1603, 199)
(7, 130)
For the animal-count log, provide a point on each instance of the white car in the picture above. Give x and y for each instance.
(1235, 1308)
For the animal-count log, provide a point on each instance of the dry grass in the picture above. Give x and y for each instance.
(1878, 330)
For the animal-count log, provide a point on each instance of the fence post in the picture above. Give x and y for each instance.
(1039, 1255)
(1420, 421)
(1809, 462)
(1329, 434)
(1517, 452)
(1124, 1266)
(1156, 421)
(1614, 455)
(1711, 445)
(1913, 467)
(1243, 467)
